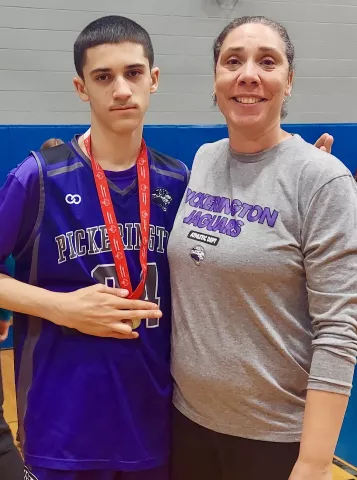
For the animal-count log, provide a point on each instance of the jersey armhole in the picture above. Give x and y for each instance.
(40, 210)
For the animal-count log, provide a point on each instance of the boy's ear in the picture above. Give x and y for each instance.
(155, 75)
(80, 88)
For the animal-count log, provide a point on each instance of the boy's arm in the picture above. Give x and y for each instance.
(97, 310)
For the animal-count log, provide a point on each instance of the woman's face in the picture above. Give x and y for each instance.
(252, 77)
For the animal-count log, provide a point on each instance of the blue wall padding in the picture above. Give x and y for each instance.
(179, 141)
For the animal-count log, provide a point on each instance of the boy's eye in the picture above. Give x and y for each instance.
(103, 77)
(134, 73)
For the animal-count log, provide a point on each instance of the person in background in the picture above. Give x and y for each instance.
(11, 465)
(52, 142)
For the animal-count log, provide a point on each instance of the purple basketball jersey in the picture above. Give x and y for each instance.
(87, 402)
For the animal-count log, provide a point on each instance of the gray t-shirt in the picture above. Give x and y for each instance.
(263, 258)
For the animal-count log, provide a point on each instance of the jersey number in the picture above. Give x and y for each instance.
(107, 275)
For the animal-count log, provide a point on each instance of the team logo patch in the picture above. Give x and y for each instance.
(162, 198)
(198, 254)
(73, 199)
(28, 475)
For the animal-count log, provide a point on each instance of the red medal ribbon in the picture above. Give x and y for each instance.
(116, 242)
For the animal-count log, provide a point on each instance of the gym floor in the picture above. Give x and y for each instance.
(344, 473)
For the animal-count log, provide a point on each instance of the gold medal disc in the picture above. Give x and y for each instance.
(135, 324)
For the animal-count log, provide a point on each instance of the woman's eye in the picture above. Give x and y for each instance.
(233, 61)
(268, 62)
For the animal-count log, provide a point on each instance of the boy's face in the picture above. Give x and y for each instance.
(117, 83)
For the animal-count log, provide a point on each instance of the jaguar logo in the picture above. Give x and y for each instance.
(198, 254)
(162, 198)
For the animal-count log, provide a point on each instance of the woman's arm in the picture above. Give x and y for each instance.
(324, 413)
(329, 244)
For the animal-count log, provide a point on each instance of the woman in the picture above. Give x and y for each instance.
(264, 334)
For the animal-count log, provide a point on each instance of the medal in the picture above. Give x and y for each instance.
(116, 242)
(135, 324)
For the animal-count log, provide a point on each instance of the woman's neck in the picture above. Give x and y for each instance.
(245, 140)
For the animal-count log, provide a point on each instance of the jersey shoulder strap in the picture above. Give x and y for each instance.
(166, 165)
(54, 155)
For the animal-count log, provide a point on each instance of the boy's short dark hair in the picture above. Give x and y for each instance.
(110, 29)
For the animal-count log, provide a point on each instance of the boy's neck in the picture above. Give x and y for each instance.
(113, 151)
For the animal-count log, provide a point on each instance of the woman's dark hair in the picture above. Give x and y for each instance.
(110, 29)
(277, 27)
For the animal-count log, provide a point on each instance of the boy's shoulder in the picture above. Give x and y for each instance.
(166, 165)
(57, 156)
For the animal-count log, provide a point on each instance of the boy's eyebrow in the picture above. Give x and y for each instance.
(100, 70)
(136, 65)
(107, 70)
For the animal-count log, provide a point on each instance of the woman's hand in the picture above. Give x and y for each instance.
(325, 143)
(310, 471)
